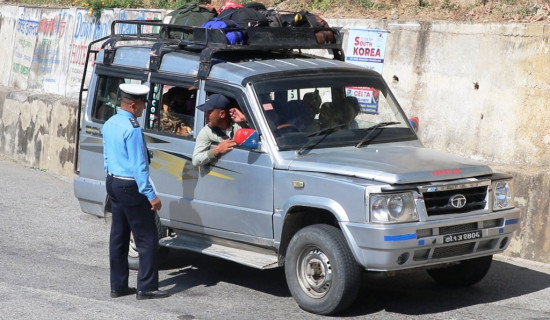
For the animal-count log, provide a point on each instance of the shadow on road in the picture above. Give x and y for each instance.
(190, 269)
(416, 293)
(413, 293)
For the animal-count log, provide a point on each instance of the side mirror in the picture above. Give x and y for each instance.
(414, 123)
(248, 138)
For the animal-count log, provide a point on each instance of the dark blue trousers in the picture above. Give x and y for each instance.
(132, 213)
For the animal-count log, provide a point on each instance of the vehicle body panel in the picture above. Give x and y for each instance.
(391, 164)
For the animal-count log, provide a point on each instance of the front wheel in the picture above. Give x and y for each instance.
(463, 274)
(320, 270)
(133, 254)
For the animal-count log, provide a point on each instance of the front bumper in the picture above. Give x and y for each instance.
(380, 247)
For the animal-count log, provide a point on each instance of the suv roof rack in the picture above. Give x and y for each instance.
(210, 41)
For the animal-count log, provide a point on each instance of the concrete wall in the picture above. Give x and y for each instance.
(479, 89)
(38, 129)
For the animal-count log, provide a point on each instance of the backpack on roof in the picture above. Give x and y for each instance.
(255, 5)
(273, 17)
(190, 14)
(307, 19)
(233, 37)
(230, 4)
(245, 17)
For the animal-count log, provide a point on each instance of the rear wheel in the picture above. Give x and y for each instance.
(463, 274)
(320, 270)
(133, 253)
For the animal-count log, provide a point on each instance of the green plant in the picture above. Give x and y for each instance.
(168, 4)
(367, 4)
(423, 4)
(446, 4)
(381, 6)
(323, 5)
(129, 3)
(95, 7)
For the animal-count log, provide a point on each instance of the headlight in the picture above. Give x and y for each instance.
(392, 208)
(502, 195)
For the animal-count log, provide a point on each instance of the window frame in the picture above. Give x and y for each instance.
(103, 72)
(235, 93)
(238, 94)
(172, 80)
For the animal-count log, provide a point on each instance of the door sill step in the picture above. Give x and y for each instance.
(245, 254)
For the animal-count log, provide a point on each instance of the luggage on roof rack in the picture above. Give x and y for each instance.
(189, 14)
(210, 41)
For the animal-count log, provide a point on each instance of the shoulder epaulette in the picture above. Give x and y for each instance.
(134, 122)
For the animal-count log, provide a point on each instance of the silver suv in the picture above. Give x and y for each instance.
(336, 183)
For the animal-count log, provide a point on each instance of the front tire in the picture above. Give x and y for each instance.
(320, 270)
(463, 274)
(133, 254)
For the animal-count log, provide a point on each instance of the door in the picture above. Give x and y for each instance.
(169, 131)
(101, 104)
(235, 193)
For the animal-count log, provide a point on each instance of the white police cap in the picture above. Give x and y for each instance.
(134, 89)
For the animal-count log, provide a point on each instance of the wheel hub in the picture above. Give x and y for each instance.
(315, 272)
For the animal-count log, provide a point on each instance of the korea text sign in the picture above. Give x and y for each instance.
(367, 48)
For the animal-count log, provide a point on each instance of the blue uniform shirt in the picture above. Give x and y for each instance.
(125, 152)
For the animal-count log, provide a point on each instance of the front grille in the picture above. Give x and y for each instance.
(452, 251)
(438, 202)
(458, 228)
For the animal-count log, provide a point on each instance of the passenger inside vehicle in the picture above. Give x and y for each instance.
(108, 106)
(180, 100)
(178, 111)
(350, 111)
(107, 101)
(329, 116)
(312, 101)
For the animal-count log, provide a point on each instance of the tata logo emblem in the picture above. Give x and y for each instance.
(457, 201)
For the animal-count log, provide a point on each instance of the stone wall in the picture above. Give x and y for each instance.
(38, 129)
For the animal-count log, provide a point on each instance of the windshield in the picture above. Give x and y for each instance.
(332, 110)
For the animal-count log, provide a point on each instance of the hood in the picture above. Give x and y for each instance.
(392, 164)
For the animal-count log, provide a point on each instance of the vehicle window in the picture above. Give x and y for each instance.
(331, 112)
(238, 111)
(107, 99)
(172, 110)
(238, 103)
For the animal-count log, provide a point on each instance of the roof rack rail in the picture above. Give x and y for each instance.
(210, 41)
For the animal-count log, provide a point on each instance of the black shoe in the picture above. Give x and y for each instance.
(122, 293)
(158, 294)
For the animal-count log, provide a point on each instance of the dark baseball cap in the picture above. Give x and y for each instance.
(215, 101)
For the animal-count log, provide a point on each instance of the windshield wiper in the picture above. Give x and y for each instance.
(373, 128)
(325, 131)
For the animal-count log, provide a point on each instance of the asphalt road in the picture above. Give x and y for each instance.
(54, 265)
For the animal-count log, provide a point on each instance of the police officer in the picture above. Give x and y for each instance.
(133, 199)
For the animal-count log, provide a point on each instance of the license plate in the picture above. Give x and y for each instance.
(462, 236)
